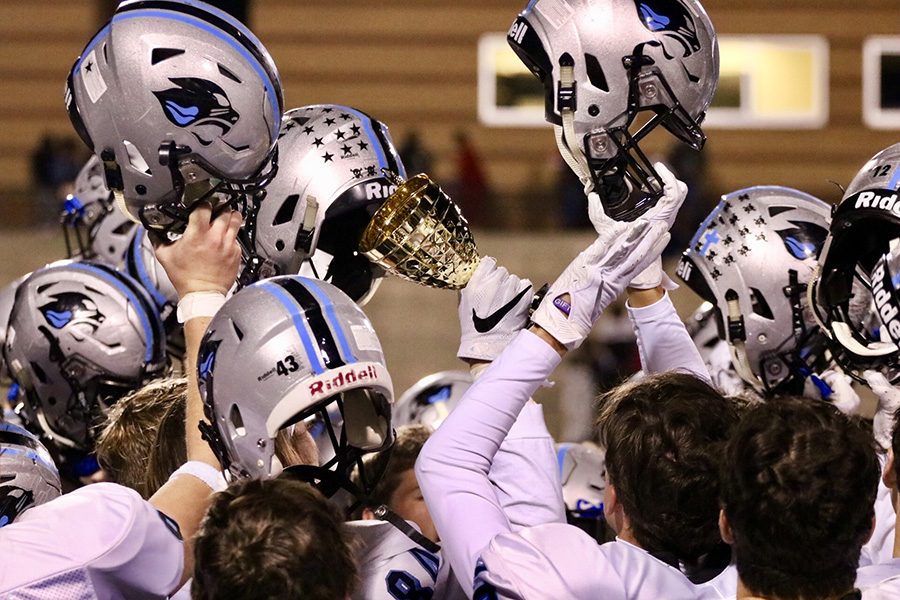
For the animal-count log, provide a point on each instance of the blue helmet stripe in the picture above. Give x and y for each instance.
(139, 308)
(96, 40)
(561, 457)
(328, 305)
(299, 324)
(141, 269)
(28, 454)
(703, 226)
(895, 180)
(267, 82)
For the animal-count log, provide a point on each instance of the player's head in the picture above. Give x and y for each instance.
(177, 99)
(80, 337)
(275, 538)
(799, 481)
(330, 183)
(602, 63)
(752, 259)
(855, 294)
(285, 350)
(28, 476)
(431, 399)
(663, 438)
(397, 487)
(128, 440)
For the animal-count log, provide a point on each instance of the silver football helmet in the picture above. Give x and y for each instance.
(603, 62)
(328, 186)
(83, 210)
(752, 258)
(703, 327)
(28, 475)
(142, 266)
(7, 298)
(80, 336)
(583, 475)
(181, 102)
(281, 351)
(431, 399)
(855, 293)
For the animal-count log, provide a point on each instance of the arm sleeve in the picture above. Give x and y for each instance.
(454, 467)
(663, 341)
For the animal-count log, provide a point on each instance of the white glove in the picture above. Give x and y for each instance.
(888, 403)
(596, 277)
(843, 396)
(493, 307)
(674, 193)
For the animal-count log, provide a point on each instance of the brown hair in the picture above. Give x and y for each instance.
(275, 538)
(392, 464)
(129, 435)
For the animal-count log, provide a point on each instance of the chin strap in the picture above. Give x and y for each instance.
(565, 135)
(383, 513)
(737, 335)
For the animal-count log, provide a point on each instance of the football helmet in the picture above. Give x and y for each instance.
(703, 327)
(142, 266)
(431, 399)
(111, 238)
(83, 210)
(285, 350)
(7, 297)
(28, 476)
(751, 259)
(80, 336)
(855, 292)
(328, 186)
(181, 102)
(604, 62)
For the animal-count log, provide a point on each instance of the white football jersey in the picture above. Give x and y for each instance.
(880, 547)
(888, 589)
(392, 566)
(561, 561)
(102, 541)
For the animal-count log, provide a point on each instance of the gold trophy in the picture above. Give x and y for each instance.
(419, 234)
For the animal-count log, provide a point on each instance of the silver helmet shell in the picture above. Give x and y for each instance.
(601, 64)
(281, 351)
(111, 238)
(83, 210)
(169, 95)
(431, 399)
(583, 475)
(80, 336)
(751, 259)
(28, 475)
(7, 298)
(855, 291)
(328, 185)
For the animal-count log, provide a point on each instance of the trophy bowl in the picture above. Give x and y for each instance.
(420, 234)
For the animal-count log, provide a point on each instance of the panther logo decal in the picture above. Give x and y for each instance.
(671, 19)
(200, 106)
(804, 240)
(72, 308)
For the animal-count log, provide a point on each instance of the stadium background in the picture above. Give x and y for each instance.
(413, 65)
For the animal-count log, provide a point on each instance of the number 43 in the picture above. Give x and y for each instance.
(288, 365)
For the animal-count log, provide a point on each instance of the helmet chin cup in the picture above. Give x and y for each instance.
(625, 180)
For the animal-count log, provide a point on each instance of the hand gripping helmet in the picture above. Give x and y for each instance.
(180, 101)
(282, 351)
(604, 61)
(328, 186)
(28, 476)
(80, 337)
(431, 399)
(752, 258)
(83, 210)
(142, 266)
(855, 292)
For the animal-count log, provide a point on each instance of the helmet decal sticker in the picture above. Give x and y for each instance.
(805, 240)
(197, 103)
(72, 308)
(671, 19)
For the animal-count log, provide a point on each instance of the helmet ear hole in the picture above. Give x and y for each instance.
(760, 306)
(236, 422)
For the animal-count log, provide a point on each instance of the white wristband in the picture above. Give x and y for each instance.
(199, 304)
(206, 473)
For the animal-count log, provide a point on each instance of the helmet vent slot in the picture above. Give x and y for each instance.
(160, 54)
(39, 372)
(42, 288)
(774, 211)
(595, 72)
(226, 73)
(237, 422)
(135, 159)
(286, 212)
(124, 228)
(760, 306)
(237, 331)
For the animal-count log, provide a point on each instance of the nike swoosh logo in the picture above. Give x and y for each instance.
(492, 320)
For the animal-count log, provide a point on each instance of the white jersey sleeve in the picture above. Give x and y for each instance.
(394, 567)
(889, 589)
(101, 541)
(454, 467)
(880, 547)
(663, 342)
